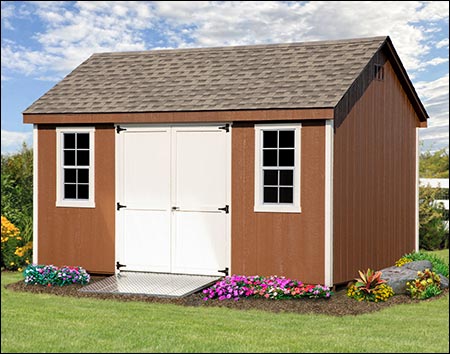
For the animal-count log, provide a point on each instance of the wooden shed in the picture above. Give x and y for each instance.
(294, 159)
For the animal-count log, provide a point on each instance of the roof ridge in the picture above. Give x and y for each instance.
(247, 46)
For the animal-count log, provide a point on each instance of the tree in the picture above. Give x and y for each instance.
(17, 190)
(434, 164)
(432, 231)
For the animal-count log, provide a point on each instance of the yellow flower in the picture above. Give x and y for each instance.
(19, 269)
(11, 264)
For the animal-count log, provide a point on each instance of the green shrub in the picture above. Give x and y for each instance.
(370, 287)
(49, 275)
(16, 252)
(17, 190)
(427, 284)
(432, 216)
(439, 265)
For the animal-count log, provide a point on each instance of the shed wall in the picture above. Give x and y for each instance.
(374, 177)
(77, 236)
(285, 244)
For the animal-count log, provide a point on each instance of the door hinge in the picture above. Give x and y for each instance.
(225, 209)
(119, 206)
(119, 129)
(224, 271)
(118, 265)
(226, 127)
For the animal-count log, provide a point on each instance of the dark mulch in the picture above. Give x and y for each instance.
(338, 305)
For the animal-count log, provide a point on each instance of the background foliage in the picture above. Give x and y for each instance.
(17, 190)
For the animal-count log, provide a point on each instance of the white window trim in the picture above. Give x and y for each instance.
(60, 202)
(276, 208)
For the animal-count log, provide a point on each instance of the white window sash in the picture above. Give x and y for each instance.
(74, 203)
(259, 205)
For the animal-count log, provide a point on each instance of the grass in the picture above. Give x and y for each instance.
(442, 253)
(48, 323)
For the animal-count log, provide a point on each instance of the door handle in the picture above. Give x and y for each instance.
(174, 208)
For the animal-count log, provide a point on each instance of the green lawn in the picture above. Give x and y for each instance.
(442, 253)
(48, 323)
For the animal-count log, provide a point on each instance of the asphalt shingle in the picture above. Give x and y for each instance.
(293, 75)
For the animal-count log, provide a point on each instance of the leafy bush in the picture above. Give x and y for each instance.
(402, 261)
(439, 265)
(49, 275)
(370, 287)
(380, 293)
(17, 190)
(237, 286)
(432, 216)
(427, 284)
(16, 252)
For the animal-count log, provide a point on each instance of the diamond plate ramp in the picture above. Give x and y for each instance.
(151, 284)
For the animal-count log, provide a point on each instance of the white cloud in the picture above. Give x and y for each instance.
(12, 141)
(442, 43)
(6, 15)
(71, 36)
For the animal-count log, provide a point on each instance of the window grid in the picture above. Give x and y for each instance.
(279, 192)
(81, 188)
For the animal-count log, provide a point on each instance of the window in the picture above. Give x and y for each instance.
(75, 167)
(277, 168)
(379, 72)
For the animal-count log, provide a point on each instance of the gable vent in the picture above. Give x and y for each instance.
(378, 72)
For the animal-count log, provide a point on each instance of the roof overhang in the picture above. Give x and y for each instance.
(181, 117)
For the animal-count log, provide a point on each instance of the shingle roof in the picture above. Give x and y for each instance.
(294, 75)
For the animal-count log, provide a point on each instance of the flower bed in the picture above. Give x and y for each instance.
(49, 275)
(239, 286)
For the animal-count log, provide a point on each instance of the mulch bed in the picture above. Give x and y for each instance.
(338, 305)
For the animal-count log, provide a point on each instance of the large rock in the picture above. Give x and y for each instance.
(444, 281)
(397, 277)
(419, 265)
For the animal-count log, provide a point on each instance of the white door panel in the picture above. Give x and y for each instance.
(201, 243)
(147, 240)
(200, 169)
(147, 170)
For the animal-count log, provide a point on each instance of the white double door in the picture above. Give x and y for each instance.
(171, 182)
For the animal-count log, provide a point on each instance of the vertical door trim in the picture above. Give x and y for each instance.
(329, 147)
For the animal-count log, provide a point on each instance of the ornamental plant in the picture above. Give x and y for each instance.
(439, 265)
(402, 261)
(49, 275)
(273, 287)
(16, 252)
(370, 287)
(381, 293)
(426, 285)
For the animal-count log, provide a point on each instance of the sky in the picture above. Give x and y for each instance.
(43, 41)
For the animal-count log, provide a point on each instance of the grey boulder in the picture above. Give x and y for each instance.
(397, 277)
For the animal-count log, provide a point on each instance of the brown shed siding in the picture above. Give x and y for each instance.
(77, 236)
(374, 179)
(279, 243)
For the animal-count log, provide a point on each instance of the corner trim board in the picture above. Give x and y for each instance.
(329, 152)
(417, 194)
(35, 195)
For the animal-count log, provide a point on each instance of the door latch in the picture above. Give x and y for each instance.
(174, 208)
(225, 209)
(224, 271)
